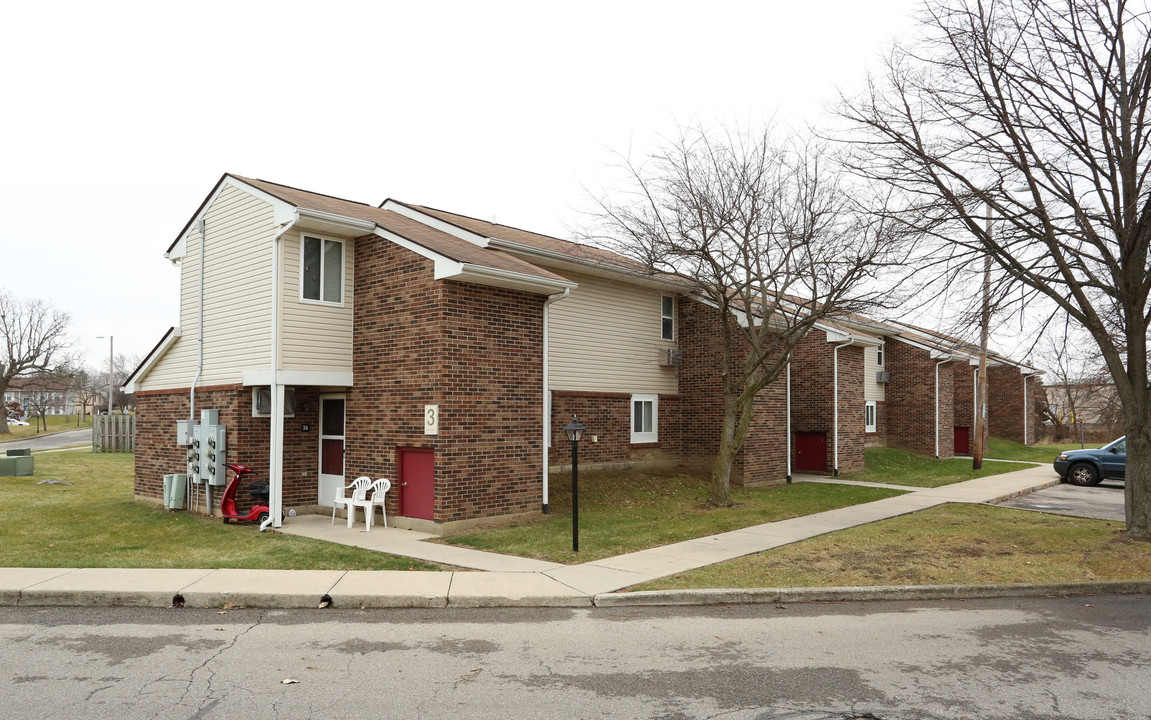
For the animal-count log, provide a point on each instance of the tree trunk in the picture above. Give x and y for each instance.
(1137, 486)
(720, 493)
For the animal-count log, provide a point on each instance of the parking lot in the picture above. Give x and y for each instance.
(1104, 501)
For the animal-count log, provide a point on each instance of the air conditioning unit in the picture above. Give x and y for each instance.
(883, 376)
(672, 357)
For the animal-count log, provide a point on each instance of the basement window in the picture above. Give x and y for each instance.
(322, 270)
(262, 402)
(644, 418)
(869, 417)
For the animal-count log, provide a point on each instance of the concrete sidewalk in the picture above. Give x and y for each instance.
(507, 581)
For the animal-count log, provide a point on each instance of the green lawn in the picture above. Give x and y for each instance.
(964, 544)
(56, 423)
(94, 522)
(1045, 454)
(900, 467)
(625, 511)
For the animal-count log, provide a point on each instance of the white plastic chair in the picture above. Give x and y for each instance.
(379, 490)
(358, 487)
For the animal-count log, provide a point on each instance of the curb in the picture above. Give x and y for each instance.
(750, 596)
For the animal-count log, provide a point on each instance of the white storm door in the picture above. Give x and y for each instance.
(331, 448)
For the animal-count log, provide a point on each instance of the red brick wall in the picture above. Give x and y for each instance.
(911, 401)
(248, 440)
(764, 457)
(607, 416)
(812, 388)
(1005, 404)
(477, 353)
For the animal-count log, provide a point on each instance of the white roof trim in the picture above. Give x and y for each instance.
(432, 221)
(587, 266)
(299, 378)
(483, 275)
(133, 383)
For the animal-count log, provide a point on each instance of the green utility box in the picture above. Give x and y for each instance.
(20, 452)
(16, 465)
(175, 487)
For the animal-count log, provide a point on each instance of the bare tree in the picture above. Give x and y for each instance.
(762, 231)
(1049, 96)
(35, 340)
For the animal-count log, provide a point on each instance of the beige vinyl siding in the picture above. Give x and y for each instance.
(314, 336)
(237, 296)
(605, 337)
(872, 391)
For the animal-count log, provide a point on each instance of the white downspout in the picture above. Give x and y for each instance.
(547, 398)
(200, 333)
(788, 431)
(276, 444)
(835, 403)
(937, 405)
(199, 358)
(1024, 407)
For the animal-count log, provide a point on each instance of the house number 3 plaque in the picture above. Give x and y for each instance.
(431, 419)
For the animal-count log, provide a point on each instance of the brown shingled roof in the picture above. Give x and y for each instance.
(435, 240)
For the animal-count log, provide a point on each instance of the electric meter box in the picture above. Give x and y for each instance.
(213, 455)
(185, 429)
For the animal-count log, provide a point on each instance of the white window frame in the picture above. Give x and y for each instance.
(644, 436)
(879, 355)
(870, 413)
(304, 237)
(663, 318)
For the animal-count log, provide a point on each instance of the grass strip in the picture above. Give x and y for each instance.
(626, 511)
(900, 467)
(950, 544)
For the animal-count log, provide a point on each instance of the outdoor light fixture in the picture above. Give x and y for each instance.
(574, 431)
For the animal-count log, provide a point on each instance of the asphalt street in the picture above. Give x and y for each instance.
(52, 441)
(1103, 502)
(1081, 657)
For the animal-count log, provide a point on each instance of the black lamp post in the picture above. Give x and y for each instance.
(574, 431)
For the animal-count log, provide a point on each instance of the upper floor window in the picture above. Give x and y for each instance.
(322, 270)
(667, 317)
(879, 356)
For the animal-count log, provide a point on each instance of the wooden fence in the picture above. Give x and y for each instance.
(114, 433)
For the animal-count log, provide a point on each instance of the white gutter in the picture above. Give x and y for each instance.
(835, 403)
(276, 442)
(547, 399)
(947, 360)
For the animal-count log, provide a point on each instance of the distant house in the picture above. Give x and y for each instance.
(52, 394)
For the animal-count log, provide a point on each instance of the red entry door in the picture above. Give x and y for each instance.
(810, 452)
(962, 441)
(417, 483)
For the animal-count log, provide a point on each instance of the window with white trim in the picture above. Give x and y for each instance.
(869, 417)
(321, 270)
(667, 317)
(644, 418)
(879, 356)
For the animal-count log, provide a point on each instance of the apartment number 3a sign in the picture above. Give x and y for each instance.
(431, 419)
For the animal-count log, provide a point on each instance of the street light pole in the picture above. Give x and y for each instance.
(574, 431)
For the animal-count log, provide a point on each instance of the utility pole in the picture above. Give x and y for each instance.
(984, 331)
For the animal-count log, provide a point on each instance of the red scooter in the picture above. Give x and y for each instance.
(260, 511)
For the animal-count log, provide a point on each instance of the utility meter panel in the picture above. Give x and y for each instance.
(193, 448)
(213, 456)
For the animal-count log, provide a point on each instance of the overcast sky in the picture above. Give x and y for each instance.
(119, 118)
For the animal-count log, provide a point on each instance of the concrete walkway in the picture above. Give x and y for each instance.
(507, 581)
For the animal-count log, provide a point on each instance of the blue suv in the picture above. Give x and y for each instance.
(1090, 467)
